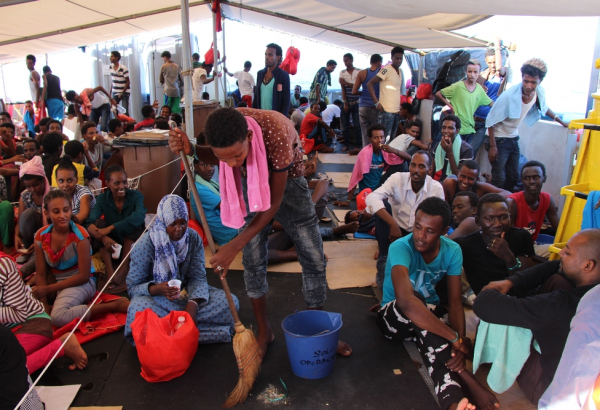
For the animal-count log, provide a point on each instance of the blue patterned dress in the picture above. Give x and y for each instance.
(214, 319)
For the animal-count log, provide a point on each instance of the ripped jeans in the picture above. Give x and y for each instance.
(298, 217)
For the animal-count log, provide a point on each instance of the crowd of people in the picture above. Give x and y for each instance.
(447, 235)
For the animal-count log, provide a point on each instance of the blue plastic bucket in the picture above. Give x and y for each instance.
(544, 239)
(312, 337)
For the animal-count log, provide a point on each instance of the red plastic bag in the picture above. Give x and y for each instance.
(164, 356)
(209, 56)
(361, 199)
(290, 63)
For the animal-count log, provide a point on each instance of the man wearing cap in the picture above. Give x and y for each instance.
(245, 82)
(171, 80)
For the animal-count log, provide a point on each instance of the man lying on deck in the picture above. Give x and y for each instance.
(548, 314)
(410, 306)
(263, 146)
(468, 173)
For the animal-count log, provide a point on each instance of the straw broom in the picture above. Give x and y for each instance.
(245, 346)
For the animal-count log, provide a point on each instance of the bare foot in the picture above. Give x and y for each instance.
(326, 150)
(326, 257)
(376, 255)
(264, 340)
(375, 308)
(482, 397)
(121, 287)
(74, 352)
(344, 149)
(342, 203)
(344, 349)
(346, 228)
(462, 405)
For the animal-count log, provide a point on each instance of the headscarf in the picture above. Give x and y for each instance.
(168, 254)
(34, 167)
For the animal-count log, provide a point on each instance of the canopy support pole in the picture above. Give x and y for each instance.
(421, 67)
(216, 58)
(187, 66)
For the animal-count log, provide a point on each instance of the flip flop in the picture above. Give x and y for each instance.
(325, 219)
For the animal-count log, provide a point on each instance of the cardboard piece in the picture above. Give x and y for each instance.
(351, 263)
(338, 158)
(340, 179)
(57, 397)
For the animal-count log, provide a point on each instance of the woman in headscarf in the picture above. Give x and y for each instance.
(169, 250)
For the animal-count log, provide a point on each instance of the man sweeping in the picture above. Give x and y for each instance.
(262, 177)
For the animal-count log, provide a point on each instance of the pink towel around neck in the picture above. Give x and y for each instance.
(363, 164)
(233, 206)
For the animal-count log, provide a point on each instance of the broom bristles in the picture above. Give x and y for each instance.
(247, 352)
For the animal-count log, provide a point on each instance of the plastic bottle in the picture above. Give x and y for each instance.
(180, 322)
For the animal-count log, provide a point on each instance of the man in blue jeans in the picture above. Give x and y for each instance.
(229, 139)
(390, 89)
(522, 102)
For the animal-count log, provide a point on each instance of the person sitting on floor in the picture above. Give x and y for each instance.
(53, 149)
(115, 128)
(72, 123)
(498, 250)
(65, 277)
(314, 131)
(31, 148)
(452, 150)
(395, 217)
(82, 199)
(32, 326)
(297, 114)
(366, 224)
(405, 145)
(56, 126)
(171, 250)
(468, 175)
(161, 124)
(75, 151)
(559, 286)
(123, 223)
(95, 147)
(530, 207)
(464, 207)
(410, 306)
(149, 115)
(31, 204)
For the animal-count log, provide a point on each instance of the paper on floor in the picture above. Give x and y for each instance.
(57, 397)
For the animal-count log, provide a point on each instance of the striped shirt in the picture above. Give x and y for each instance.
(63, 263)
(119, 78)
(80, 192)
(16, 301)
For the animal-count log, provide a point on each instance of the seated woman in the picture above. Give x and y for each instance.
(82, 199)
(172, 251)
(33, 176)
(64, 266)
(21, 311)
(123, 223)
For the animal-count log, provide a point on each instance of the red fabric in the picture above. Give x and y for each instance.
(308, 145)
(424, 92)
(290, 63)
(146, 123)
(248, 100)
(164, 352)
(361, 199)
(99, 326)
(209, 56)
(216, 8)
(528, 218)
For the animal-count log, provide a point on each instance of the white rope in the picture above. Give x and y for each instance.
(92, 304)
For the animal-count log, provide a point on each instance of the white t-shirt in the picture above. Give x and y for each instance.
(330, 113)
(509, 127)
(245, 83)
(350, 78)
(390, 88)
(99, 99)
(402, 142)
(72, 129)
(197, 84)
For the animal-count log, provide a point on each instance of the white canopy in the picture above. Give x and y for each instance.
(44, 26)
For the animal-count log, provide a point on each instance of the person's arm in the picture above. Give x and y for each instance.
(371, 87)
(285, 100)
(178, 140)
(513, 208)
(228, 252)
(100, 88)
(445, 101)
(327, 127)
(358, 82)
(450, 155)
(45, 89)
(78, 113)
(491, 189)
(343, 84)
(84, 263)
(36, 80)
(466, 227)
(375, 206)
(12, 160)
(449, 186)
(135, 220)
(139, 278)
(127, 83)
(18, 241)
(456, 314)
(161, 77)
(552, 214)
(84, 210)
(227, 71)
(556, 118)
(404, 155)
(15, 309)
(318, 92)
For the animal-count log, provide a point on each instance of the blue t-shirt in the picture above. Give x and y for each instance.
(423, 276)
(372, 179)
(492, 92)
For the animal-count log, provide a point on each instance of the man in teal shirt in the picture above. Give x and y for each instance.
(318, 88)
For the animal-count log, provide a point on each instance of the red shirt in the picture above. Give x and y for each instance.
(528, 218)
(308, 123)
(148, 122)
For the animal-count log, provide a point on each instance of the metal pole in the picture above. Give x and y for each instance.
(421, 66)
(216, 58)
(187, 65)
(594, 76)
(225, 81)
(4, 86)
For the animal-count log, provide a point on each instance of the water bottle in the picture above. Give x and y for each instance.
(180, 322)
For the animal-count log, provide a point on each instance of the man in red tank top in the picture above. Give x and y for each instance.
(529, 207)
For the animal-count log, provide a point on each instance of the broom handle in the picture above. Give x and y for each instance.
(211, 243)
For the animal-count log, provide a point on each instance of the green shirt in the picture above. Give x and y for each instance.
(465, 103)
(128, 220)
(266, 95)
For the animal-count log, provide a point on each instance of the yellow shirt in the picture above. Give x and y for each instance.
(80, 180)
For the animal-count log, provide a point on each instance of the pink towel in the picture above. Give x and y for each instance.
(363, 164)
(86, 106)
(34, 167)
(233, 206)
